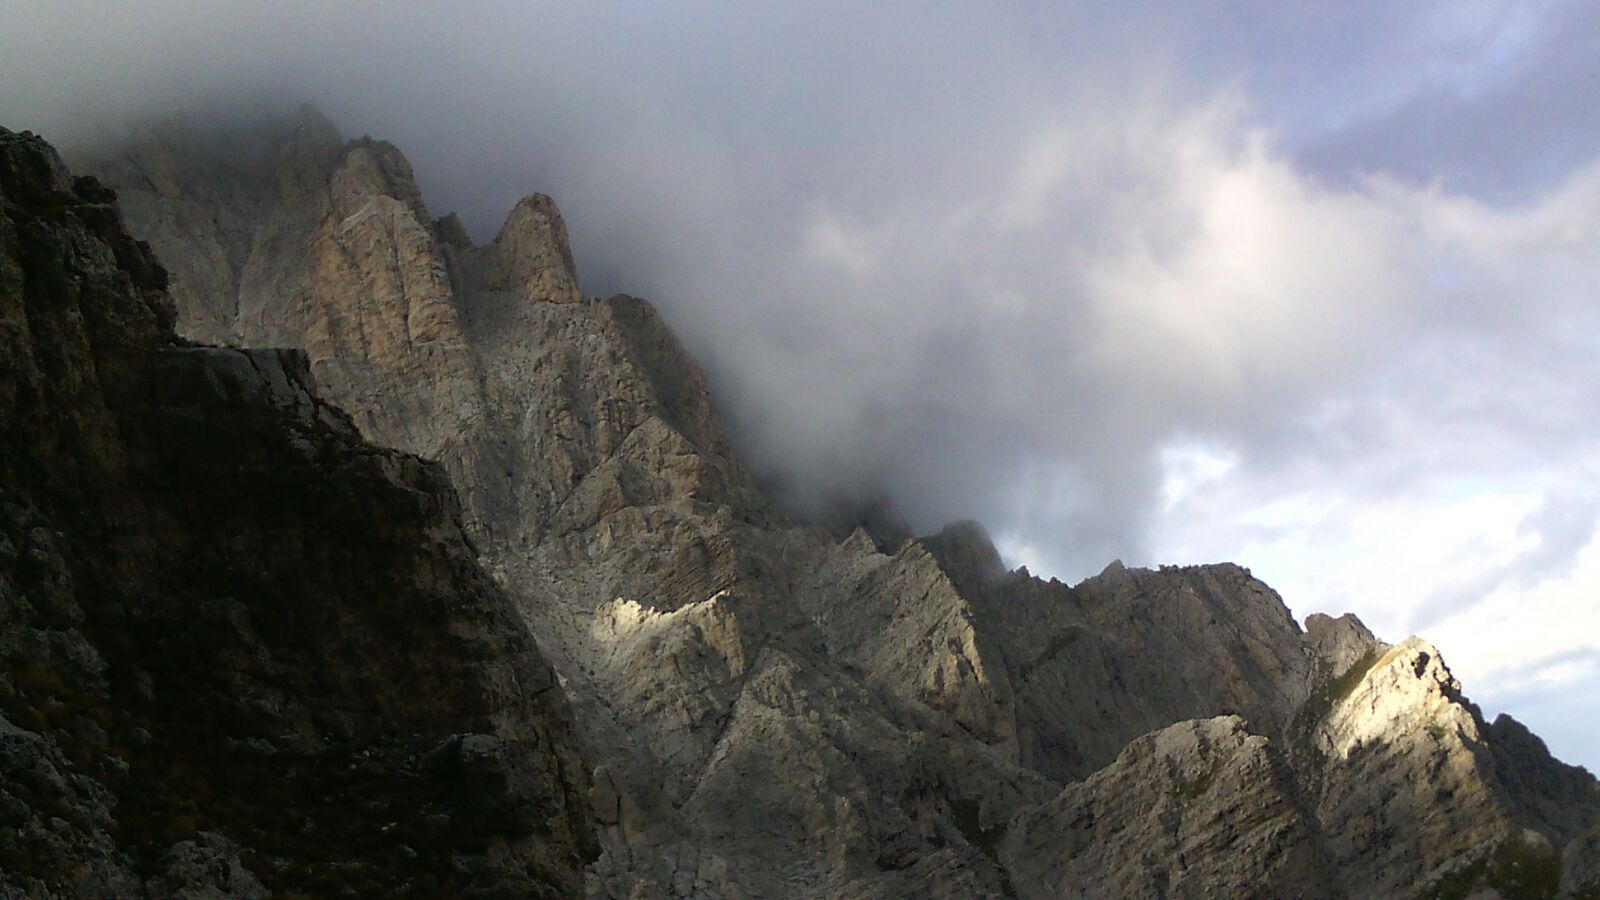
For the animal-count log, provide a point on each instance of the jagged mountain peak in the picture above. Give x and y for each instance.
(531, 256)
(965, 546)
(366, 168)
(772, 708)
(452, 231)
(311, 126)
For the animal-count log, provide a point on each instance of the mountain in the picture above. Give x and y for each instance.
(763, 707)
(244, 650)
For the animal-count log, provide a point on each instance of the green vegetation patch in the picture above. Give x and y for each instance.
(1067, 638)
(1516, 869)
(968, 820)
(1327, 694)
(1185, 790)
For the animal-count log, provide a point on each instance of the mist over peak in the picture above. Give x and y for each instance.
(1160, 293)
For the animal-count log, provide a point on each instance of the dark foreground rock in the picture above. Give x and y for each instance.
(242, 651)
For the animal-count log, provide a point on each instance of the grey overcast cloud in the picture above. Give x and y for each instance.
(1309, 287)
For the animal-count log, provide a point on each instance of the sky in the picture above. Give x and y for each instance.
(1308, 287)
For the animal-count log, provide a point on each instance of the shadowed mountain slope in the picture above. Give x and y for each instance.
(245, 652)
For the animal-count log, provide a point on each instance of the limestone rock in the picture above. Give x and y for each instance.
(205, 868)
(232, 627)
(531, 257)
(1131, 651)
(773, 708)
(1409, 788)
(1199, 809)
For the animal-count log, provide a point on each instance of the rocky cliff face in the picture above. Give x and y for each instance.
(774, 711)
(245, 652)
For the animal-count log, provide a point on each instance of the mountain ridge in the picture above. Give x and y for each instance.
(769, 710)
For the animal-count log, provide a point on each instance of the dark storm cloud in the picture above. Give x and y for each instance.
(901, 236)
(1512, 122)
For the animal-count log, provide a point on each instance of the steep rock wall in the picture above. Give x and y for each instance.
(244, 650)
